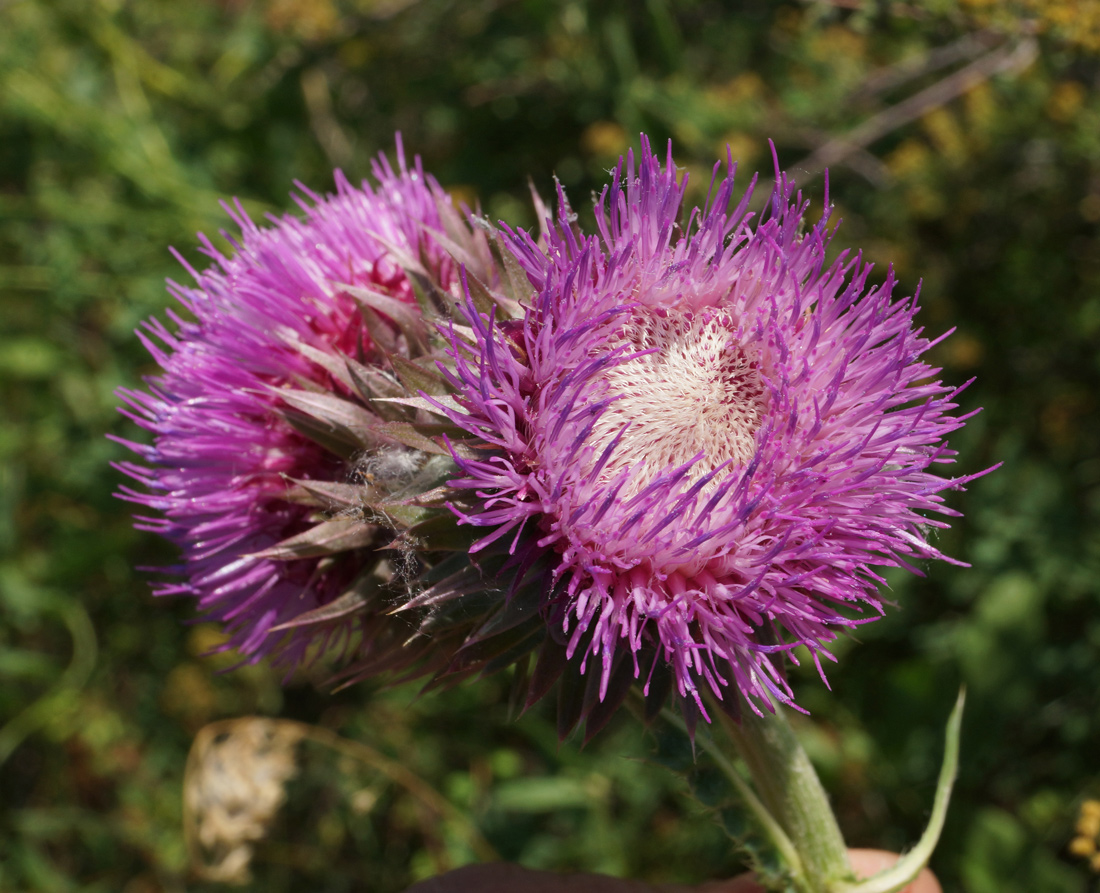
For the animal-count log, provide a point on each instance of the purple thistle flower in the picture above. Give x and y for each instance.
(715, 436)
(278, 320)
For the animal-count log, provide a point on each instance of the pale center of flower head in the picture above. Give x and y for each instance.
(696, 391)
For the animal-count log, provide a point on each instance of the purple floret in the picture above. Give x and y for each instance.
(717, 436)
(275, 315)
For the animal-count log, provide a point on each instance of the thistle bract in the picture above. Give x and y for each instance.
(709, 434)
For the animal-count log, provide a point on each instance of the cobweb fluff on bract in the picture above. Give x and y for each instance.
(262, 414)
(715, 436)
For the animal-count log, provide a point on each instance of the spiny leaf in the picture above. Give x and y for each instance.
(372, 382)
(457, 613)
(432, 476)
(518, 609)
(381, 332)
(475, 653)
(356, 599)
(519, 650)
(461, 254)
(456, 224)
(338, 414)
(513, 280)
(404, 316)
(340, 443)
(407, 434)
(436, 497)
(325, 494)
(333, 365)
(442, 533)
(548, 669)
(326, 538)
(433, 405)
(433, 301)
(464, 582)
(416, 378)
(486, 300)
(480, 294)
(396, 515)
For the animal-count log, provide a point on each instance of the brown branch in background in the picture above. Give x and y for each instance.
(859, 161)
(381, 10)
(839, 149)
(322, 119)
(869, 166)
(891, 76)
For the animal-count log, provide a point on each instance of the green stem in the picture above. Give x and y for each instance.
(791, 792)
(792, 808)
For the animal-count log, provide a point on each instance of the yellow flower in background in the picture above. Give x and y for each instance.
(1085, 844)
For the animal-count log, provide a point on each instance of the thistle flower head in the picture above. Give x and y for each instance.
(262, 411)
(709, 434)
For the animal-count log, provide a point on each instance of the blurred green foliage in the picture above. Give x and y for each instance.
(963, 141)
